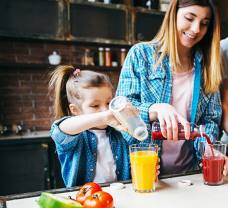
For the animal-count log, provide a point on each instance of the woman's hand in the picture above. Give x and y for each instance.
(169, 119)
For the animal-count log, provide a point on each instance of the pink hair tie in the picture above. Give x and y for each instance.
(76, 72)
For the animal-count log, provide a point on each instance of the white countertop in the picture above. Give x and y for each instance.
(169, 194)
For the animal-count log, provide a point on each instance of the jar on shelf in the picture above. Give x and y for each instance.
(108, 61)
(101, 56)
(107, 1)
(122, 55)
(88, 58)
(164, 4)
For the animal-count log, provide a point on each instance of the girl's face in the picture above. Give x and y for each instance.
(95, 99)
(192, 25)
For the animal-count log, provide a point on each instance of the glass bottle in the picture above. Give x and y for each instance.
(101, 56)
(108, 57)
(122, 55)
(195, 131)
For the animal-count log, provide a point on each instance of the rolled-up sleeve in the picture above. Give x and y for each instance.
(64, 142)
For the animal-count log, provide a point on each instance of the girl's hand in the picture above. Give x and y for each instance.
(113, 122)
(169, 119)
(225, 170)
(116, 123)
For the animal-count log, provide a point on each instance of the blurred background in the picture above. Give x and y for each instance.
(35, 37)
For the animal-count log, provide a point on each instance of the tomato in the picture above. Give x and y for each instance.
(87, 190)
(100, 199)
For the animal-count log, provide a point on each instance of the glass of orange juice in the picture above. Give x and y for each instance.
(143, 158)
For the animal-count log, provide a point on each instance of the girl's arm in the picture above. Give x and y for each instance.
(77, 124)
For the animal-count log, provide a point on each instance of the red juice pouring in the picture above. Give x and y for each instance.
(195, 132)
(213, 155)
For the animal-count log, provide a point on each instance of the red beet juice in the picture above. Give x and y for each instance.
(212, 170)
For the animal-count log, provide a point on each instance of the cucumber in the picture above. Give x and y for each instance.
(48, 200)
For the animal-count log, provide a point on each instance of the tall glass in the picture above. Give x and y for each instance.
(143, 158)
(213, 159)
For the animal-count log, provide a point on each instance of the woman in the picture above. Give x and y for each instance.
(224, 89)
(175, 78)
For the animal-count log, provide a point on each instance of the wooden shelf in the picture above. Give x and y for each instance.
(24, 65)
(100, 4)
(48, 66)
(97, 68)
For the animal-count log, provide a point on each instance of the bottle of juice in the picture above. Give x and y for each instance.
(196, 131)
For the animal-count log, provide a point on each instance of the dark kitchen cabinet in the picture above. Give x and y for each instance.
(36, 18)
(78, 21)
(120, 22)
(147, 24)
(28, 165)
(97, 22)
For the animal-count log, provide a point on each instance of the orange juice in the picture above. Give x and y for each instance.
(143, 170)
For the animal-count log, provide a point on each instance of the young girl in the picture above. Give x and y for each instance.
(88, 148)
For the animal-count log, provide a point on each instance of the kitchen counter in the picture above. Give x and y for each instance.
(170, 192)
(27, 135)
(34, 136)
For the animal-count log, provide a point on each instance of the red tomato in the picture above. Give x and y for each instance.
(100, 199)
(87, 190)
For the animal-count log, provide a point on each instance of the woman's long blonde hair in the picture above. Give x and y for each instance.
(66, 84)
(210, 44)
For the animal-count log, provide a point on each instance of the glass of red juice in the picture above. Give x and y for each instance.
(213, 159)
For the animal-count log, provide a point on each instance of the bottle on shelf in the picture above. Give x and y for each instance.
(101, 56)
(108, 61)
(122, 56)
(107, 1)
(88, 58)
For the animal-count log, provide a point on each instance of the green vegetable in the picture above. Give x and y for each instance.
(48, 200)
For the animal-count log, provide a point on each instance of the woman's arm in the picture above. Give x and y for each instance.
(131, 76)
(144, 86)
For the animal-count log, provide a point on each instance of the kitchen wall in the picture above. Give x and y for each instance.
(24, 76)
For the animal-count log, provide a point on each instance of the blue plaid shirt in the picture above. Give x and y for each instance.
(144, 85)
(78, 155)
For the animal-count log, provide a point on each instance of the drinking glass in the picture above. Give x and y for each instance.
(213, 159)
(143, 158)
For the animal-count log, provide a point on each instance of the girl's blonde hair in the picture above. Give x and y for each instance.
(66, 85)
(210, 44)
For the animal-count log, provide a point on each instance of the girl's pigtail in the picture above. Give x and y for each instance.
(59, 78)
